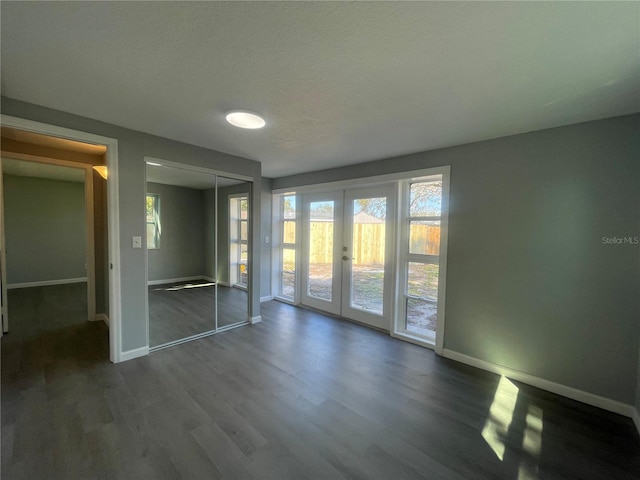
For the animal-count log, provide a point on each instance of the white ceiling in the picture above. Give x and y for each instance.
(338, 82)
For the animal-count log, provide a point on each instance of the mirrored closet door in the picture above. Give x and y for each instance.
(197, 247)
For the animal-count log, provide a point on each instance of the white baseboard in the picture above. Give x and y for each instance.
(636, 419)
(135, 353)
(254, 320)
(266, 299)
(175, 280)
(46, 283)
(208, 279)
(101, 317)
(557, 388)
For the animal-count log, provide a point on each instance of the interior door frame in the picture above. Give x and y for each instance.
(111, 156)
(4, 311)
(382, 321)
(334, 305)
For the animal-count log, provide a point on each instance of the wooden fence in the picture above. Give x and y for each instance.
(368, 241)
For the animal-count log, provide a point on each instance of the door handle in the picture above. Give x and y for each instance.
(344, 257)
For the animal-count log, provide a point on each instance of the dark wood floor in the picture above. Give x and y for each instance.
(183, 309)
(298, 396)
(35, 310)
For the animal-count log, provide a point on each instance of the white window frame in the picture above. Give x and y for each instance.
(404, 257)
(279, 245)
(401, 179)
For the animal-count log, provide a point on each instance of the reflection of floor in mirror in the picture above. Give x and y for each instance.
(183, 309)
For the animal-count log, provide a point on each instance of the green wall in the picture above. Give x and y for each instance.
(45, 229)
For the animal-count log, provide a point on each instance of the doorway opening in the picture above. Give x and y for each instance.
(48, 231)
(370, 250)
(347, 245)
(43, 148)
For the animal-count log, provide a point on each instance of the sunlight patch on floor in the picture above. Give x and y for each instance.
(532, 443)
(188, 285)
(500, 416)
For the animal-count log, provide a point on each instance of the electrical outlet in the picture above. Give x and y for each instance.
(136, 242)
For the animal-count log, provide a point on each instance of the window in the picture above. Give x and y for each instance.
(420, 258)
(288, 247)
(153, 221)
(397, 259)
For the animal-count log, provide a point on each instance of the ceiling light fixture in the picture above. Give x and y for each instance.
(154, 164)
(244, 119)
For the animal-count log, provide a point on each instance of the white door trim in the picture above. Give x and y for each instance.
(382, 321)
(115, 336)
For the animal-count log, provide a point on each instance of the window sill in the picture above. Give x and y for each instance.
(420, 340)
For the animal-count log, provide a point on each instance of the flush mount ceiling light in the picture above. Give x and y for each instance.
(244, 119)
(154, 164)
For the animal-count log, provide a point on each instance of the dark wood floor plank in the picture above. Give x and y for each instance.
(228, 459)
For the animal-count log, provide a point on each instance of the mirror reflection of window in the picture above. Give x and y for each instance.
(153, 220)
(233, 252)
(238, 239)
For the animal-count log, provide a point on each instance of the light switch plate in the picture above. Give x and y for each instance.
(136, 242)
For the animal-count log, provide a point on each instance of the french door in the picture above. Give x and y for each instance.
(347, 253)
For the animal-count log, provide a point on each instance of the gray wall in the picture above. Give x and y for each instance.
(182, 240)
(132, 148)
(265, 259)
(45, 228)
(530, 285)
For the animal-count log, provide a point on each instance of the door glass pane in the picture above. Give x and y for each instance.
(288, 272)
(425, 199)
(424, 237)
(422, 280)
(421, 316)
(367, 254)
(321, 218)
